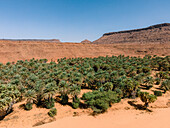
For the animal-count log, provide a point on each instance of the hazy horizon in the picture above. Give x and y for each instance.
(76, 20)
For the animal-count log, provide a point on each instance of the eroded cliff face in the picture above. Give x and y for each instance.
(159, 33)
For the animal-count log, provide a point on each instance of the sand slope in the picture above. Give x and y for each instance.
(120, 115)
(116, 119)
(22, 50)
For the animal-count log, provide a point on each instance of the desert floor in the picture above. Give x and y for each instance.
(117, 119)
(127, 113)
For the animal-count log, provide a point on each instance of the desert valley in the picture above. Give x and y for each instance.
(119, 80)
(154, 40)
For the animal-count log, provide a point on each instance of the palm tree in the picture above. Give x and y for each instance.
(165, 85)
(108, 86)
(48, 94)
(64, 90)
(146, 98)
(31, 97)
(148, 82)
(75, 91)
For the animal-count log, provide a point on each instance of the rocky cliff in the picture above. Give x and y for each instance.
(159, 33)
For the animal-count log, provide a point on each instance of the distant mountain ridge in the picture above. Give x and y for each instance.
(159, 33)
(137, 30)
(47, 40)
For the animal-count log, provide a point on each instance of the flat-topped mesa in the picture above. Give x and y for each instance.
(55, 40)
(30, 40)
(159, 33)
(137, 30)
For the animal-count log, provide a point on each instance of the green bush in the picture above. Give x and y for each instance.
(146, 98)
(148, 82)
(64, 99)
(157, 93)
(165, 85)
(108, 86)
(146, 69)
(76, 102)
(157, 80)
(52, 112)
(100, 101)
(28, 106)
(49, 103)
(75, 105)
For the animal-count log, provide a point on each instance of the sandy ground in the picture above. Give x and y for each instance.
(127, 113)
(122, 115)
(160, 118)
(22, 50)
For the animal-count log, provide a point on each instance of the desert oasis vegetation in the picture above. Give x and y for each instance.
(121, 79)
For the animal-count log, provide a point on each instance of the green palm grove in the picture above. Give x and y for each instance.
(110, 78)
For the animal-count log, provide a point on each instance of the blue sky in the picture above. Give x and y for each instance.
(76, 20)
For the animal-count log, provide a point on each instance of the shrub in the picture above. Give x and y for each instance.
(75, 105)
(157, 93)
(52, 112)
(119, 92)
(64, 99)
(165, 85)
(146, 98)
(108, 86)
(157, 80)
(148, 82)
(49, 104)
(100, 101)
(28, 106)
(76, 102)
(146, 69)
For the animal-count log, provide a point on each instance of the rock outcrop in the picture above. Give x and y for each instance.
(86, 42)
(159, 33)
